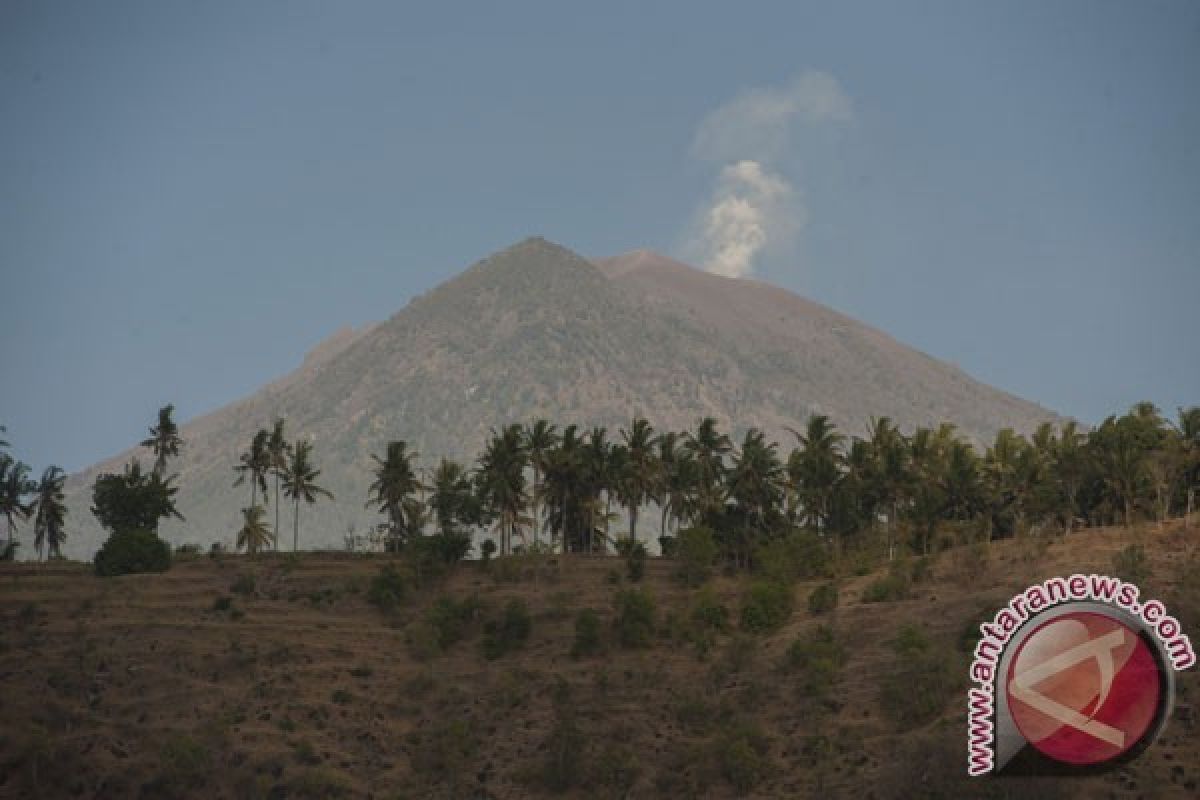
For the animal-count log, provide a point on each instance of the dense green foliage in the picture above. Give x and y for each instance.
(133, 550)
(133, 499)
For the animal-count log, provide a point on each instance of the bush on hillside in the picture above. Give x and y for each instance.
(588, 641)
(922, 680)
(634, 621)
(507, 633)
(131, 551)
(824, 598)
(696, 550)
(635, 558)
(766, 605)
(388, 589)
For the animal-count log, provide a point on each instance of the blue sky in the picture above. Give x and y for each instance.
(194, 194)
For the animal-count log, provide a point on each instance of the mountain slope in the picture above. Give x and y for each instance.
(536, 330)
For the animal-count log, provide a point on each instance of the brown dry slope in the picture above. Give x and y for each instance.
(537, 331)
(276, 678)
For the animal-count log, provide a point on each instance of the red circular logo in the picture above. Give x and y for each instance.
(1084, 688)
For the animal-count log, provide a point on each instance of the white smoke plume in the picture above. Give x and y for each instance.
(751, 210)
(755, 209)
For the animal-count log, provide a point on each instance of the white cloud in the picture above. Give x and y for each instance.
(754, 209)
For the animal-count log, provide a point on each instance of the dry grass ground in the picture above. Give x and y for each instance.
(276, 677)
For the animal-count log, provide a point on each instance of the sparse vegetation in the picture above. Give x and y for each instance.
(924, 676)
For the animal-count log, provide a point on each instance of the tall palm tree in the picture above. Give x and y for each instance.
(564, 490)
(501, 477)
(756, 486)
(14, 485)
(300, 483)
(164, 439)
(452, 499)
(51, 512)
(680, 482)
(598, 463)
(540, 439)
(278, 449)
(395, 488)
(641, 474)
(815, 468)
(254, 464)
(255, 534)
(708, 447)
(889, 472)
(1189, 432)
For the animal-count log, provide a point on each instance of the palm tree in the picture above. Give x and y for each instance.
(277, 456)
(641, 474)
(395, 489)
(501, 478)
(815, 468)
(756, 486)
(598, 462)
(164, 439)
(564, 489)
(708, 447)
(540, 439)
(51, 512)
(1189, 433)
(254, 464)
(300, 483)
(14, 485)
(452, 499)
(889, 472)
(680, 481)
(255, 534)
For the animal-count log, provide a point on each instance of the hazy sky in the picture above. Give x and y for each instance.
(193, 194)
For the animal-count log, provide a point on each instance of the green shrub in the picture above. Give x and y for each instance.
(222, 603)
(388, 589)
(696, 550)
(896, 585)
(507, 633)
(816, 659)
(487, 550)
(566, 749)
(616, 769)
(244, 585)
(824, 598)
(1131, 566)
(634, 620)
(635, 558)
(766, 606)
(742, 756)
(449, 618)
(442, 752)
(707, 617)
(131, 551)
(185, 763)
(799, 554)
(667, 545)
(922, 679)
(587, 634)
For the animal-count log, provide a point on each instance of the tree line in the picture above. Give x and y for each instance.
(565, 489)
(536, 485)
